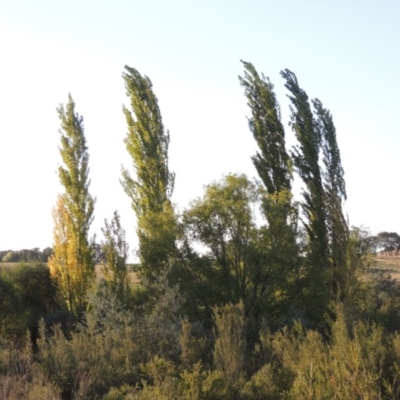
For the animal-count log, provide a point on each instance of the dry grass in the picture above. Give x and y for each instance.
(388, 265)
(133, 279)
(8, 265)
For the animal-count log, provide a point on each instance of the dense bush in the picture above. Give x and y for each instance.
(29, 294)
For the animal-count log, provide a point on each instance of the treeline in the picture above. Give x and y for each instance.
(249, 293)
(26, 255)
(387, 243)
(42, 256)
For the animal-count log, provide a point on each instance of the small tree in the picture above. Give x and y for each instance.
(115, 250)
(236, 264)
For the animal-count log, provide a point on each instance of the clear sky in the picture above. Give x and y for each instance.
(346, 53)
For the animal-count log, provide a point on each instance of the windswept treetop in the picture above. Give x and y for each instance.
(273, 163)
(333, 172)
(147, 142)
(306, 161)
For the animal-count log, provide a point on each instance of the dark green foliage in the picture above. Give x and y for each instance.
(223, 222)
(37, 291)
(305, 156)
(239, 259)
(12, 318)
(388, 242)
(335, 194)
(29, 294)
(273, 164)
(306, 160)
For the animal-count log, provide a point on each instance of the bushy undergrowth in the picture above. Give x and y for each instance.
(144, 349)
(118, 354)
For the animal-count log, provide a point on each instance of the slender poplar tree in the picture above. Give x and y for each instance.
(274, 167)
(78, 204)
(306, 161)
(150, 190)
(335, 192)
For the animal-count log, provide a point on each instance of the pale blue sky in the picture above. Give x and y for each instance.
(346, 53)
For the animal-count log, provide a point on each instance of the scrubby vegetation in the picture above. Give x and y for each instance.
(246, 294)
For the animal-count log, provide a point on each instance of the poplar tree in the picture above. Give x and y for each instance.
(274, 167)
(306, 161)
(74, 211)
(151, 188)
(335, 192)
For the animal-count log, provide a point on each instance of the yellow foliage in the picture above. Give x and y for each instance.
(65, 264)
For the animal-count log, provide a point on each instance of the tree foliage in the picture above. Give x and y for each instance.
(306, 161)
(26, 255)
(335, 194)
(388, 242)
(272, 163)
(274, 167)
(72, 263)
(115, 250)
(151, 189)
(65, 267)
(235, 299)
(238, 261)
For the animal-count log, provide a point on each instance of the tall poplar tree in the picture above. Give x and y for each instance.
(151, 188)
(77, 208)
(335, 192)
(274, 167)
(306, 161)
